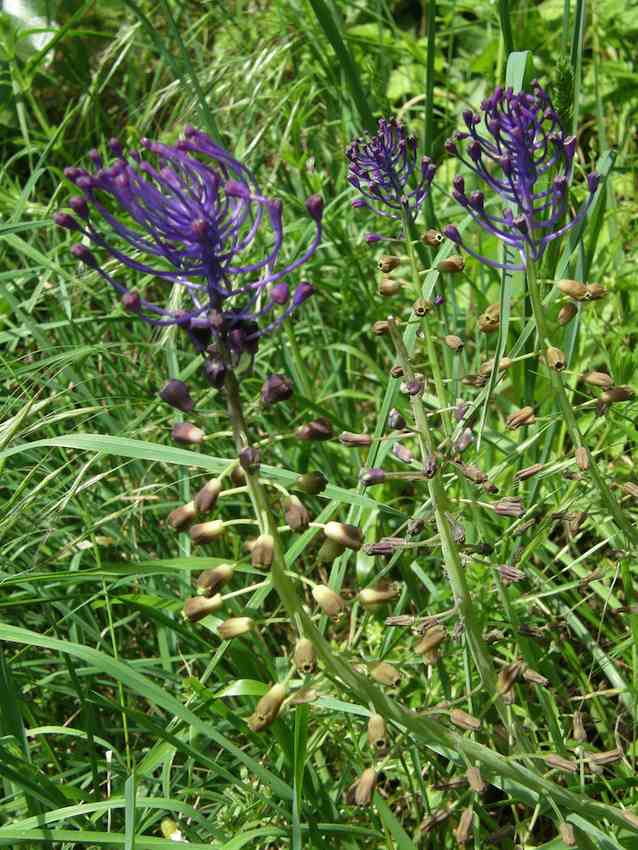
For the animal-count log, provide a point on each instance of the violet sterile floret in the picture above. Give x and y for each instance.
(523, 156)
(386, 170)
(193, 218)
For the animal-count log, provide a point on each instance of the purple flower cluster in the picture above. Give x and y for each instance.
(190, 216)
(524, 157)
(385, 169)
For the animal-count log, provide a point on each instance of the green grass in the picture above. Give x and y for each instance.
(115, 713)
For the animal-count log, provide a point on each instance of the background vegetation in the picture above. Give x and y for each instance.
(114, 712)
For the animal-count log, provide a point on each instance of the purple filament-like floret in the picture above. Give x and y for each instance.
(524, 157)
(385, 169)
(191, 216)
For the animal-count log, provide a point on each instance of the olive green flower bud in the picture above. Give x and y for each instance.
(206, 532)
(238, 476)
(433, 238)
(386, 674)
(170, 830)
(388, 263)
(524, 416)
(206, 497)
(329, 550)
(475, 780)
(347, 438)
(555, 359)
(267, 708)
(464, 720)
(567, 834)
(182, 517)
(567, 313)
(371, 597)
(377, 734)
(311, 483)
(235, 627)
(490, 319)
(452, 265)
(453, 342)
(364, 788)
(296, 514)
(198, 607)
(210, 580)
(329, 601)
(573, 288)
(347, 535)
(595, 292)
(261, 553)
(464, 828)
(305, 658)
(186, 432)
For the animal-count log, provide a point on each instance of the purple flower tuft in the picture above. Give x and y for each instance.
(524, 157)
(192, 217)
(386, 171)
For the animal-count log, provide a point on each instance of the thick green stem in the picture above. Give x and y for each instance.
(568, 412)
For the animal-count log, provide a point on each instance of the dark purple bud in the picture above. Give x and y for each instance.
(452, 233)
(593, 181)
(506, 165)
(95, 157)
(371, 238)
(370, 477)
(276, 388)
(395, 421)
(215, 372)
(560, 184)
(477, 201)
(451, 148)
(318, 429)
(520, 223)
(280, 293)
(115, 146)
(66, 221)
(474, 150)
(460, 198)
(131, 301)
(438, 300)
(569, 146)
(235, 189)
(302, 292)
(314, 205)
(429, 466)
(358, 203)
(176, 394)
(414, 387)
(199, 229)
(468, 117)
(186, 432)
(249, 459)
(79, 206)
(81, 252)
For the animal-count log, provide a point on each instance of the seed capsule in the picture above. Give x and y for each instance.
(529, 471)
(490, 319)
(370, 477)
(599, 379)
(464, 828)
(388, 287)
(370, 597)
(276, 388)
(187, 433)
(235, 627)
(296, 514)
(347, 438)
(388, 263)
(582, 458)
(616, 394)
(510, 574)
(207, 496)
(249, 459)
(396, 422)
(329, 601)
(176, 394)
(381, 327)
(567, 834)
(452, 265)
(503, 363)
(311, 483)
(432, 639)
(573, 288)
(464, 720)
(329, 550)
(567, 313)
(509, 506)
(453, 342)
(607, 757)
(317, 430)
(377, 734)
(261, 554)
(475, 780)
(198, 607)
(347, 535)
(561, 763)
(422, 307)
(524, 416)
(473, 473)
(555, 359)
(578, 727)
(595, 292)
(433, 238)
(210, 580)
(386, 674)
(181, 517)
(506, 680)
(267, 708)
(305, 658)
(206, 532)
(364, 788)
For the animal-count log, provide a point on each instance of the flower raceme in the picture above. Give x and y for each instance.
(524, 157)
(385, 169)
(190, 216)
